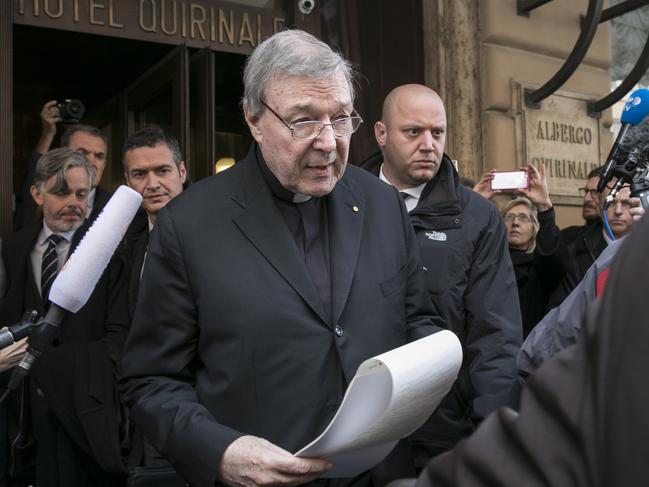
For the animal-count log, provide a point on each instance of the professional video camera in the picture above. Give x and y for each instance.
(630, 167)
(627, 162)
(71, 110)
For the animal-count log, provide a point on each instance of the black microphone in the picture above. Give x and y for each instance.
(14, 333)
(77, 280)
(640, 186)
(46, 331)
(635, 110)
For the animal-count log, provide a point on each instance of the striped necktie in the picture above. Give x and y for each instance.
(49, 266)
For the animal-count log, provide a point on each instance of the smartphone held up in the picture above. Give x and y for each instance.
(509, 180)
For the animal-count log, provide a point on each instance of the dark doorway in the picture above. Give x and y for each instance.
(55, 65)
(125, 84)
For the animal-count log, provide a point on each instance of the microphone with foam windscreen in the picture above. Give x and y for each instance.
(635, 110)
(77, 279)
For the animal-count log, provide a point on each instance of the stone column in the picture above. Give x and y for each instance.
(452, 68)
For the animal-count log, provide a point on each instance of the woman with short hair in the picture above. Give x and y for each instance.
(538, 254)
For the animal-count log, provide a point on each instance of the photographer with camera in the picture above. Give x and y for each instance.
(50, 116)
(85, 139)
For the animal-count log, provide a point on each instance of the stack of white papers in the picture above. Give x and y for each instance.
(390, 396)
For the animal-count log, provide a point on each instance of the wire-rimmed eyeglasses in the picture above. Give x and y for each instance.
(310, 129)
(521, 217)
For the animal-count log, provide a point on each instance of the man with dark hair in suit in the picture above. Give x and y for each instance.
(154, 167)
(267, 285)
(62, 422)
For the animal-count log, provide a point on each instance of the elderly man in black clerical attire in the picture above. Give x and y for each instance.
(267, 285)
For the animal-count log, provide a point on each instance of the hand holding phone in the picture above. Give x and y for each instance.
(509, 180)
(537, 190)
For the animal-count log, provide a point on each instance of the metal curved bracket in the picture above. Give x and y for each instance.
(621, 9)
(595, 108)
(524, 7)
(589, 27)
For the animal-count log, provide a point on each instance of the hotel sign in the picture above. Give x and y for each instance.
(219, 25)
(561, 136)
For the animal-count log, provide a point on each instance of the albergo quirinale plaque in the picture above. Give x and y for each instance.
(561, 136)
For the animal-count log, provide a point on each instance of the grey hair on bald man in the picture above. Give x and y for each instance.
(290, 53)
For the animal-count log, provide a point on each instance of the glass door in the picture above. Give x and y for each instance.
(232, 137)
(161, 97)
(201, 102)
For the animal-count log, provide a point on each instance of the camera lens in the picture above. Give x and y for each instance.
(71, 110)
(75, 108)
(306, 6)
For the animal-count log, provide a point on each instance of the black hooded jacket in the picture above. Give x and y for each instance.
(585, 247)
(464, 249)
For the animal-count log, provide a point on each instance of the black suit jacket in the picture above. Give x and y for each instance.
(229, 336)
(135, 248)
(101, 198)
(77, 411)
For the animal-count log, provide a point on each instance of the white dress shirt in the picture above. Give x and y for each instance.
(412, 194)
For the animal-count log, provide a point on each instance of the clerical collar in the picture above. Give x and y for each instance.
(275, 186)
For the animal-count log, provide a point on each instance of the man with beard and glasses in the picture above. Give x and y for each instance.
(585, 242)
(62, 423)
(590, 212)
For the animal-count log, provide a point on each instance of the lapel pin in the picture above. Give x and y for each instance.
(355, 209)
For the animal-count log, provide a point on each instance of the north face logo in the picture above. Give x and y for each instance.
(439, 236)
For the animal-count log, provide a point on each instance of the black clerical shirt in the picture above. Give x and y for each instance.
(306, 218)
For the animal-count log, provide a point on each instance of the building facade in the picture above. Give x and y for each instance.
(178, 64)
